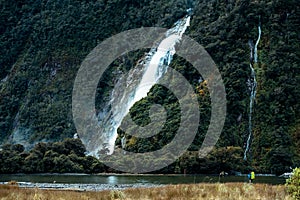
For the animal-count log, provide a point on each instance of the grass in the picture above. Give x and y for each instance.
(228, 191)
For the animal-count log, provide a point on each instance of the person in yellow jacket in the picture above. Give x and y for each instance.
(252, 176)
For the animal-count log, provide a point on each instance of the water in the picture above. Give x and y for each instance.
(252, 86)
(256, 45)
(134, 87)
(134, 179)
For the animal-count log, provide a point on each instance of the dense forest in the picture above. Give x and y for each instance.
(44, 42)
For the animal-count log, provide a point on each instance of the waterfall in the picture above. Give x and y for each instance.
(123, 142)
(160, 60)
(256, 44)
(135, 86)
(252, 87)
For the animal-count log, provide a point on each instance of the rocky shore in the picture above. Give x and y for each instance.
(82, 187)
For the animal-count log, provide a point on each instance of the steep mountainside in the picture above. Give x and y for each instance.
(44, 42)
(225, 31)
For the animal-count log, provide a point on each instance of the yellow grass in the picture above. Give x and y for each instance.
(228, 191)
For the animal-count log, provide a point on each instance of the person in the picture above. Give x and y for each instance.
(252, 176)
(249, 177)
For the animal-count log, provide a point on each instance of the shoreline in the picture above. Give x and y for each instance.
(83, 187)
(98, 187)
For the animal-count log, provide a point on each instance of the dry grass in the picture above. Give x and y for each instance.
(228, 191)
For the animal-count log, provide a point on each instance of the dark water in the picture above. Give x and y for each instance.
(132, 179)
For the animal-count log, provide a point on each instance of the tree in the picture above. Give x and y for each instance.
(293, 184)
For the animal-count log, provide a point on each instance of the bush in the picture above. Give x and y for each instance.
(293, 184)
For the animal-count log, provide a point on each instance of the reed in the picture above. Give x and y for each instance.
(215, 191)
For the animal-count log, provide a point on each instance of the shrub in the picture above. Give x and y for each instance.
(293, 184)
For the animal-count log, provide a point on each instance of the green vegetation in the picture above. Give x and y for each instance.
(225, 35)
(57, 157)
(44, 42)
(293, 184)
(69, 156)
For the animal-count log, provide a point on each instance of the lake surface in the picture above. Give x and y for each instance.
(133, 179)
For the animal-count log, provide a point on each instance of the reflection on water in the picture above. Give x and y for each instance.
(132, 179)
(112, 180)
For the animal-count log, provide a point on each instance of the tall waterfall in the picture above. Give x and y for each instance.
(135, 85)
(252, 86)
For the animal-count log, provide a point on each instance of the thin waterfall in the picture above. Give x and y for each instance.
(135, 86)
(252, 86)
(252, 83)
(123, 142)
(256, 44)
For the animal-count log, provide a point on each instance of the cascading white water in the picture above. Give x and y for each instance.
(123, 142)
(136, 85)
(252, 87)
(256, 44)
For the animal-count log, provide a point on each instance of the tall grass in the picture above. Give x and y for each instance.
(230, 191)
